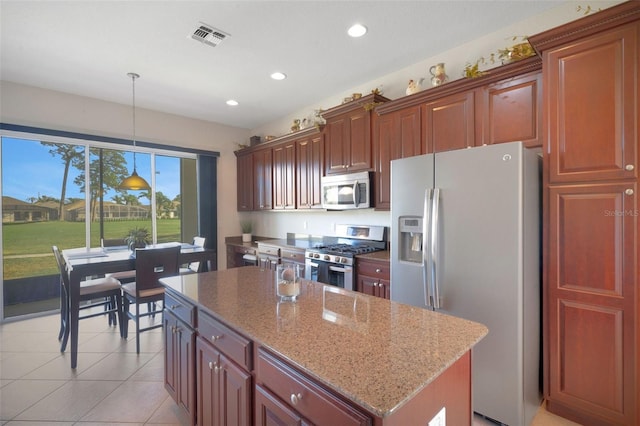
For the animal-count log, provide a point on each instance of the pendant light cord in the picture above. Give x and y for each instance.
(133, 83)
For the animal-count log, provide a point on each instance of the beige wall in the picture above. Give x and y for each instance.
(31, 106)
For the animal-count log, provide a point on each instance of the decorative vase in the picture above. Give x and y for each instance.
(246, 237)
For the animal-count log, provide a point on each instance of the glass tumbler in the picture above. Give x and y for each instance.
(288, 281)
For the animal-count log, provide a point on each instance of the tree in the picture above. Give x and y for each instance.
(114, 170)
(163, 204)
(69, 154)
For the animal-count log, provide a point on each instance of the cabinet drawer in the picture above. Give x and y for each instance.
(269, 250)
(235, 346)
(374, 269)
(306, 397)
(244, 250)
(182, 309)
(288, 255)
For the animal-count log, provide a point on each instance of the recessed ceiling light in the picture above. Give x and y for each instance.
(357, 30)
(232, 102)
(278, 76)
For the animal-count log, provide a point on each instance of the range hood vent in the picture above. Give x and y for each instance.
(207, 34)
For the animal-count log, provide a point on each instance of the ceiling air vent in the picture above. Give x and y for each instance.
(208, 35)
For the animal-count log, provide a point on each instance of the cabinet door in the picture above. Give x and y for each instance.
(367, 285)
(284, 176)
(512, 111)
(270, 411)
(336, 155)
(244, 165)
(359, 141)
(263, 177)
(396, 135)
(309, 171)
(235, 394)
(449, 123)
(591, 87)
(179, 363)
(207, 366)
(592, 293)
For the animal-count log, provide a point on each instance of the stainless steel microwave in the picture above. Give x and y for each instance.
(345, 192)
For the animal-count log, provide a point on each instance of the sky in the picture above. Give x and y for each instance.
(28, 170)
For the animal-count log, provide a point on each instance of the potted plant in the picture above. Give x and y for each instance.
(246, 227)
(137, 238)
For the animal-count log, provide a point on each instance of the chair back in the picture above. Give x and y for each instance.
(197, 242)
(113, 242)
(62, 265)
(153, 264)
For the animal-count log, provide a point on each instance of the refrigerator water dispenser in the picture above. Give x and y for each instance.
(411, 239)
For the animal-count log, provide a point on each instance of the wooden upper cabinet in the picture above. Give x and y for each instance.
(262, 178)
(449, 122)
(512, 111)
(396, 135)
(309, 171)
(284, 176)
(593, 118)
(244, 165)
(348, 144)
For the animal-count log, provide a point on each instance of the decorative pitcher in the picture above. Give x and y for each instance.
(438, 74)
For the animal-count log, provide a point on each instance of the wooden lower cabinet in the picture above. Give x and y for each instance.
(304, 398)
(235, 255)
(224, 389)
(373, 277)
(179, 375)
(270, 411)
(591, 302)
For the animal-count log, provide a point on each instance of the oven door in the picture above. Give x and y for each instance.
(329, 273)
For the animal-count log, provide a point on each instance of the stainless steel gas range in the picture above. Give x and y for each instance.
(332, 261)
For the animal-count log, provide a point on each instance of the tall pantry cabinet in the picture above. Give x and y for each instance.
(591, 295)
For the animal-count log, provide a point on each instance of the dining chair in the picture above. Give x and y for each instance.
(122, 276)
(95, 292)
(193, 267)
(151, 265)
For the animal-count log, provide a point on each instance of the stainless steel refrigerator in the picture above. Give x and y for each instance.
(465, 241)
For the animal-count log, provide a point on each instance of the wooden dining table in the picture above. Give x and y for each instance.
(83, 263)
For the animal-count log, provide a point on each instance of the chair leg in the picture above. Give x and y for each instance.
(137, 328)
(120, 313)
(124, 324)
(64, 308)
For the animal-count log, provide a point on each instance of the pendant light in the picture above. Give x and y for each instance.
(134, 182)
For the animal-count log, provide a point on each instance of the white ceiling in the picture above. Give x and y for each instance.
(88, 47)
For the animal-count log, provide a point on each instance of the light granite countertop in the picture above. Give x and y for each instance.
(374, 352)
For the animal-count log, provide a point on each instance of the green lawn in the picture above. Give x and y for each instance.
(31, 242)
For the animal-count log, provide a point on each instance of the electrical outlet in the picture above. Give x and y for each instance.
(439, 419)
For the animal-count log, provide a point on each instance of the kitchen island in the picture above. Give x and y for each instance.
(332, 357)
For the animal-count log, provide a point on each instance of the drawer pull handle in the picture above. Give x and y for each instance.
(378, 270)
(295, 398)
(629, 167)
(214, 338)
(174, 307)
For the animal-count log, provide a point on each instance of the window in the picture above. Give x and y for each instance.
(47, 200)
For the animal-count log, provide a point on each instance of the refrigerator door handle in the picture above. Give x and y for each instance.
(426, 255)
(435, 248)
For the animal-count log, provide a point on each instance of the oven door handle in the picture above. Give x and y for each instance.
(312, 264)
(340, 269)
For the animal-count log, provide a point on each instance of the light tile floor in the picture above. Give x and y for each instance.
(112, 385)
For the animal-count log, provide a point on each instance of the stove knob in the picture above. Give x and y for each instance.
(316, 255)
(344, 260)
(327, 257)
(337, 259)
